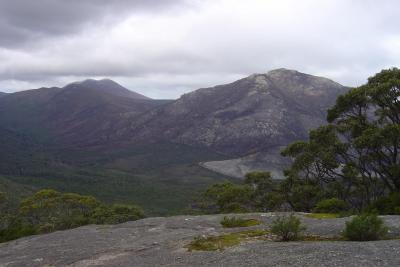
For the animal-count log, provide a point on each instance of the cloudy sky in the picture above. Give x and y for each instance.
(163, 48)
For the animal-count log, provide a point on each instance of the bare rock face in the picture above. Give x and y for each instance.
(162, 241)
(270, 161)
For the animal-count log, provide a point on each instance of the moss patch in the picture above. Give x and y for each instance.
(322, 215)
(238, 222)
(221, 242)
(313, 238)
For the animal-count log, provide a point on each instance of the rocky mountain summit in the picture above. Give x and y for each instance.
(253, 114)
(163, 242)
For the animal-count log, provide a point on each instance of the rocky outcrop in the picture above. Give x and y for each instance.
(162, 241)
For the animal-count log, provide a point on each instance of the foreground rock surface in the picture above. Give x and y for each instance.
(161, 242)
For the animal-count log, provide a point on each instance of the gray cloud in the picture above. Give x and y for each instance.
(24, 20)
(164, 48)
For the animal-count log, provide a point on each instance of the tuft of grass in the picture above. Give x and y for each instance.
(220, 242)
(238, 222)
(322, 215)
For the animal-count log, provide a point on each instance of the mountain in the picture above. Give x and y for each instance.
(79, 114)
(246, 116)
(258, 114)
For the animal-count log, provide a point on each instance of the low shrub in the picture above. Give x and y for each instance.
(230, 222)
(330, 205)
(365, 227)
(287, 228)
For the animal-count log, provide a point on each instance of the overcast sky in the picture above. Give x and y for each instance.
(164, 48)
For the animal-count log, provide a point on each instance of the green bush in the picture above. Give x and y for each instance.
(365, 227)
(287, 228)
(226, 197)
(238, 222)
(48, 210)
(17, 229)
(330, 205)
(117, 213)
(387, 205)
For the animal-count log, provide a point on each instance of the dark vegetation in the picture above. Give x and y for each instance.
(330, 205)
(349, 165)
(49, 210)
(155, 177)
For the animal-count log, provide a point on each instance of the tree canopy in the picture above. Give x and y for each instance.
(356, 155)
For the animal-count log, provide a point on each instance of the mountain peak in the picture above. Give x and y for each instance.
(276, 74)
(283, 70)
(107, 86)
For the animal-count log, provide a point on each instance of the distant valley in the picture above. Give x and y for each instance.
(99, 138)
